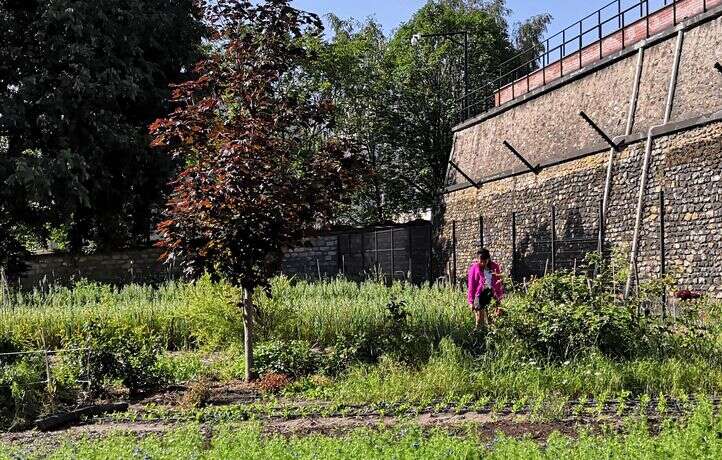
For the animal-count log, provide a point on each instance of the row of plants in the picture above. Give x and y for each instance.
(698, 436)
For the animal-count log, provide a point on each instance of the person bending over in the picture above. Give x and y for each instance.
(484, 286)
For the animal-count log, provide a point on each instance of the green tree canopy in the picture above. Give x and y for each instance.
(399, 101)
(79, 83)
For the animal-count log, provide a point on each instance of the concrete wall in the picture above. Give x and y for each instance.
(544, 126)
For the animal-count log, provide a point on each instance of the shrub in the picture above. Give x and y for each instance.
(21, 391)
(293, 358)
(123, 353)
(562, 316)
(273, 382)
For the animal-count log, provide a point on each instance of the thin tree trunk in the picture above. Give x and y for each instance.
(248, 333)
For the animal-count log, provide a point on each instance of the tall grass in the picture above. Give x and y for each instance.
(177, 312)
(204, 313)
(321, 312)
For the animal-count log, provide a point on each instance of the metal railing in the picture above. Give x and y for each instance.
(611, 19)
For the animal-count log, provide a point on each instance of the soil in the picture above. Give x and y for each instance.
(485, 424)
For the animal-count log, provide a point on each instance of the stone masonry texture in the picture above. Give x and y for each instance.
(686, 164)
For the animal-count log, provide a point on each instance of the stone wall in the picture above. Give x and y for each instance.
(142, 265)
(545, 125)
(315, 255)
(686, 164)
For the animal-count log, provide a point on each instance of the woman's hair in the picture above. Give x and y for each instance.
(484, 254)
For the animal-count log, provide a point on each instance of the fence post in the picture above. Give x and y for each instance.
(376, 250)
(429, 257)
(363, 252)
(513, 244)
(453, 252)
(554, 237)
(662, 251)
(340, 262)
(600, 234)
(481, 231)
(408, 249)
(393, 259)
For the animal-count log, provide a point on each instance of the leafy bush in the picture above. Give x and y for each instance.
(563, 316)
(293, 358)
(126, 354)
(21, 391)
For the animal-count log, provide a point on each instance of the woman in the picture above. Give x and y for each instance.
(484, 286)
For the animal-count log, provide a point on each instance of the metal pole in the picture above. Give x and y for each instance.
(554, 237)
(466, 74)
(481, 231)
(453, 252)
(600, 235)
(662, 251)
(513, 243)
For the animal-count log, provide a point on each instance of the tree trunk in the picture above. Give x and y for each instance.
(248, 333)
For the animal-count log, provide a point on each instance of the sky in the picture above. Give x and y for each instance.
(391, 13)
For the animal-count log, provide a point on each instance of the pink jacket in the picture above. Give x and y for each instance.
(476, 282)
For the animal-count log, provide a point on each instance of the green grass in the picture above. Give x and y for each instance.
(451, 375)
(696, 437)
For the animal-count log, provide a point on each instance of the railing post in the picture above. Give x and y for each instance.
(453, 252)
(662, 251)
(674, 12)
(580, 44)
(599, 31)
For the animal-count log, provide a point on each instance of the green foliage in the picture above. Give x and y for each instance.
(292, 358)
(80, 81)
(126, 354)
(561, 317)
(21, 391)
(694, 437)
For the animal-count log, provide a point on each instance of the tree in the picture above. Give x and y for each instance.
(262, 167)
(399, 102)
(79, 83)
(353, 68)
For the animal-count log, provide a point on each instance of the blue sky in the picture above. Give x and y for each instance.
(390, 13)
